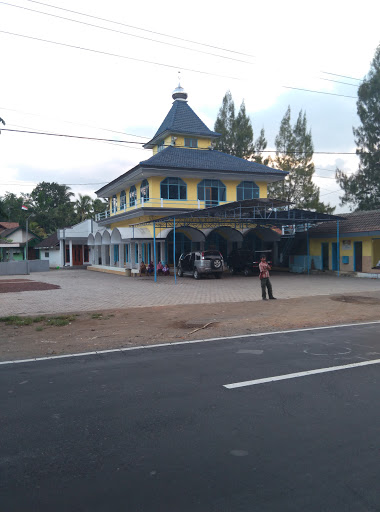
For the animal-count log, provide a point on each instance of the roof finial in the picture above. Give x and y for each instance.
(179, 92)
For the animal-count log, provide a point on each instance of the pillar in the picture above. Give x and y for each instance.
(121, 255)
(70, 253)
(61, 253)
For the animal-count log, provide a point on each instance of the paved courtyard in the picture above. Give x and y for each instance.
(82, 290)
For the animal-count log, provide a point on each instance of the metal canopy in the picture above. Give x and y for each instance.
(244, 214)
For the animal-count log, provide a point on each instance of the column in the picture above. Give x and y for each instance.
(70, 253)
(61, 253)
(162, 251)
(103, 254)
(121, 255)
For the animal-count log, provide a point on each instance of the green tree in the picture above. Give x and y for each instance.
(225, 125)
(294, 153)
(84, 207)
(362, 189)
(237, 132)
(11, 207)
(52, 206)
(100, 206)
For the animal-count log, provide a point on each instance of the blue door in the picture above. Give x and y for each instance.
(334, 256)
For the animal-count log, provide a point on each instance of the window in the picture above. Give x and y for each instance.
(247, 190)
(191, 143)
(144, 190)
(212, 192)
(47, 254)
(132, 196)
(86, 253)
(173, 188)
(123, 200)
(126, 253)
(160, 146)
(114, 204)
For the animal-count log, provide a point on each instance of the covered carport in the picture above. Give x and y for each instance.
(240, 217)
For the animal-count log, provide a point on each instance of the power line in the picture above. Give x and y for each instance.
(319, 92)
(72, 122)
(156, 63)
(335, 74)
(166, 35)
(142, 29)
(157, 41)
(117, 55)
(166, 145)
(125, 33)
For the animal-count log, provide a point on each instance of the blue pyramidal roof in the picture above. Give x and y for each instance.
(181, 119)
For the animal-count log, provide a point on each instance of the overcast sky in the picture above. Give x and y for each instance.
(55, 88)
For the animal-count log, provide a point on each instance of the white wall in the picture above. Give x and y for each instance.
(54, 257)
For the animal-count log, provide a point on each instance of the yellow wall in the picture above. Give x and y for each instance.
(180, 142)
(370, 251)
(192, 193)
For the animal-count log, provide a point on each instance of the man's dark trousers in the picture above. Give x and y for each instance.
(265, 283)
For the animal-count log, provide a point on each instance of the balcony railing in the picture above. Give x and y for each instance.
(158, 203)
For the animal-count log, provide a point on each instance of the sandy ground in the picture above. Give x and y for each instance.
(101, 330)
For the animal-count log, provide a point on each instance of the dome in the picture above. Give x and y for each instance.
(179, 93)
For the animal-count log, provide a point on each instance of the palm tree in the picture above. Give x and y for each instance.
(84, 207)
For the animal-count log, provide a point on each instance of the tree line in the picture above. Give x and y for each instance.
(294, 153)
(294, 150)
(51, 206)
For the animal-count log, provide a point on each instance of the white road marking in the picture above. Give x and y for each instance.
(299, 374)
(189, 342)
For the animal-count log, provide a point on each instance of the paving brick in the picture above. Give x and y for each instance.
(82, 290)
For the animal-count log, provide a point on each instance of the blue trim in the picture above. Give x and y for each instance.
(334, 256)
(248, 189)
(179, 183)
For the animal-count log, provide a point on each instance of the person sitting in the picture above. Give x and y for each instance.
(159, 267)
(150, 268)
(142, 268)
(166, 270)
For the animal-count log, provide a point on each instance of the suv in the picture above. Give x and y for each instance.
(200, 262)
(246, 261)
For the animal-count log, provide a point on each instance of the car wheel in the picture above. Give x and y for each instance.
(180, 272)
(218, 275)
(216, 264)
(247, 272)
(196, 274)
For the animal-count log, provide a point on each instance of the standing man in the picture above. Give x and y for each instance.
(264, 268)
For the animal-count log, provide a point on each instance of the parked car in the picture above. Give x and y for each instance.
(246, 261)
(198, 263)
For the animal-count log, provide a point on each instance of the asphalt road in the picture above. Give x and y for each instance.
(156, 430)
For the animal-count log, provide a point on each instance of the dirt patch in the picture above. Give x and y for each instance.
(102, 330)
(356, 299)
(24, 285)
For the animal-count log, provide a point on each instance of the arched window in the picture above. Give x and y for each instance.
(144, 190)
(173, 188)
(212, 192)
(132, 196)
(114, 204)
(123, 200)
(247, 190)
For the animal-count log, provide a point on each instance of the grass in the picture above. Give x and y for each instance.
(20, 321)
(96, 316)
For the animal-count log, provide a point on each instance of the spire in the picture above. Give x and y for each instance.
(179, 92)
